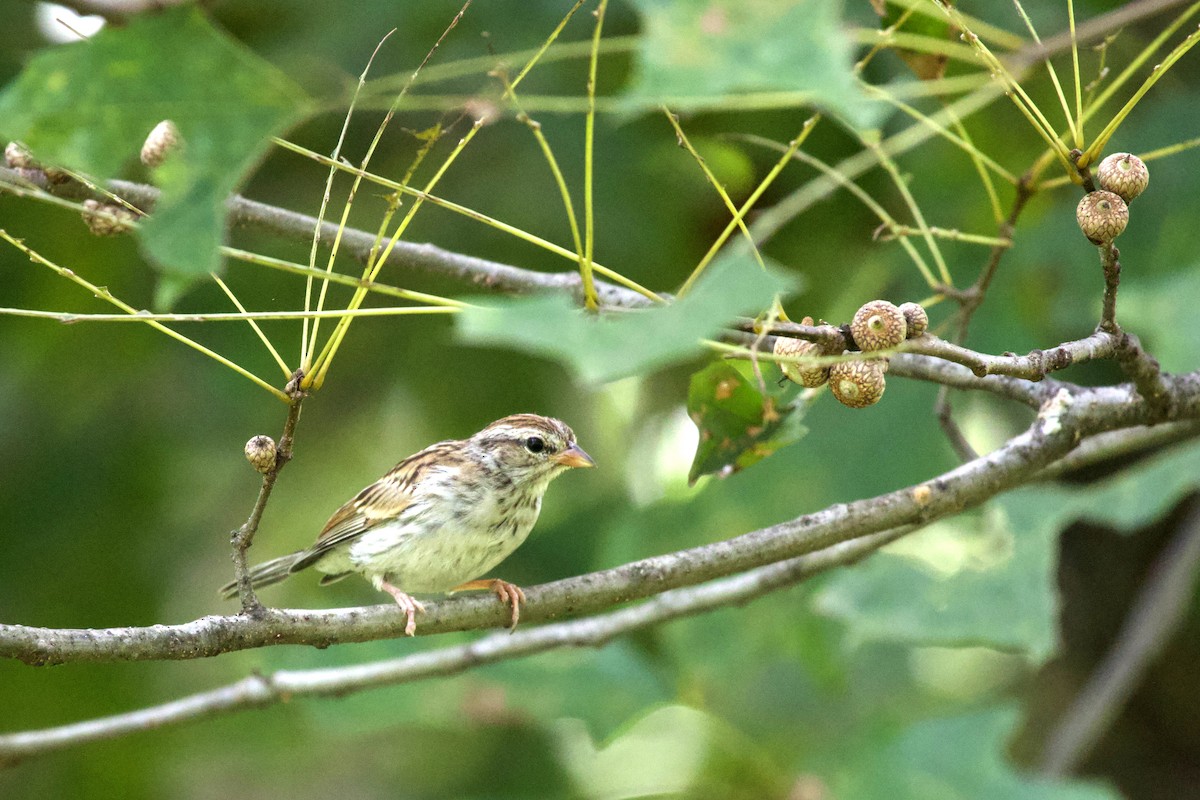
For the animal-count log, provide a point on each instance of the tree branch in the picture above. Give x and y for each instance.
(492, 275)
(1127, 442)
(1033, 367)
(259, 691)
(1062, 421)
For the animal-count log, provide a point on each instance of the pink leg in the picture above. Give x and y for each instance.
(406, 602)
(509, 593)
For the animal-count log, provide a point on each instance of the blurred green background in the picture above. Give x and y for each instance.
(933, 671)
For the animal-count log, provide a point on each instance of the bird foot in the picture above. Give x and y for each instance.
(408, 603)
(509, 593)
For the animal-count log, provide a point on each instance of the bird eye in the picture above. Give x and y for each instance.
(535, 444)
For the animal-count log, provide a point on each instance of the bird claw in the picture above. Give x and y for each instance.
(509, 594)
(409, 604)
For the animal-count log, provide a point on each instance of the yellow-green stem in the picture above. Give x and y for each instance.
(287, 373)
(589, 153)
(791, 149)
(107, 296)
(712, 180)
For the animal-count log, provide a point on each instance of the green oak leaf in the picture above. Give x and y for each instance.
(619, 344)
(89, 105)
(943, 586)
(1161, 310)
(954, 758)
(926, 66)
(739, 426)
(702, 53)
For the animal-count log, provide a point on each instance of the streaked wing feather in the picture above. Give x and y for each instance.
(382, 501)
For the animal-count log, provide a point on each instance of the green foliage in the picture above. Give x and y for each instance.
(946, 585)
(739, 426)
(954, 758)
(699, 52)
(122, 518)
(949, 591)
(671, 751)
(88, 106)
(1162, 311)
(925, 65)
(603, 349)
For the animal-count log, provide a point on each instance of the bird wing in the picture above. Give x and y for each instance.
(382, 501)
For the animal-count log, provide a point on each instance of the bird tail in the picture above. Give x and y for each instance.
(265, 574)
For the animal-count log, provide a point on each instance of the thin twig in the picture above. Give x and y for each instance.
(243, 537)
(1110, 260)
(1120, 17)
(969, 303)
(945, 417)
(977, 293)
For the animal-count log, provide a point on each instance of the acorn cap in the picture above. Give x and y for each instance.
(1123, 174)
(161, 142)
(260, 452)
(916, 318)
(1101, 216)
(878, 325)
(809, 376)
(17, 157)
(107, 219)
(859, 383)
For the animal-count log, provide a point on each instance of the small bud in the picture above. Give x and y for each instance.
(1123, 174)
(1102, 216)
(878, 325)
(161, 142)
(858, 384)
(260, 452)
(107, 219)
(916, 317)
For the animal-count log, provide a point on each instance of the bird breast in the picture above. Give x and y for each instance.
(447, 536)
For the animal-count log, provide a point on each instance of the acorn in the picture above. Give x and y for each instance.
(1102, 216)
(17, 157)
(260, 452)
(916, 319)
(810, 376)
(1123, 174)
(878, 325)
(107, 219)
(161, 142)
(858, 383)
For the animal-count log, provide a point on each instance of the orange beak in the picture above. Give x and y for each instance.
(573, 456)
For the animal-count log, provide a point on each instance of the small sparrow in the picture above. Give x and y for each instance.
(442, 517)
